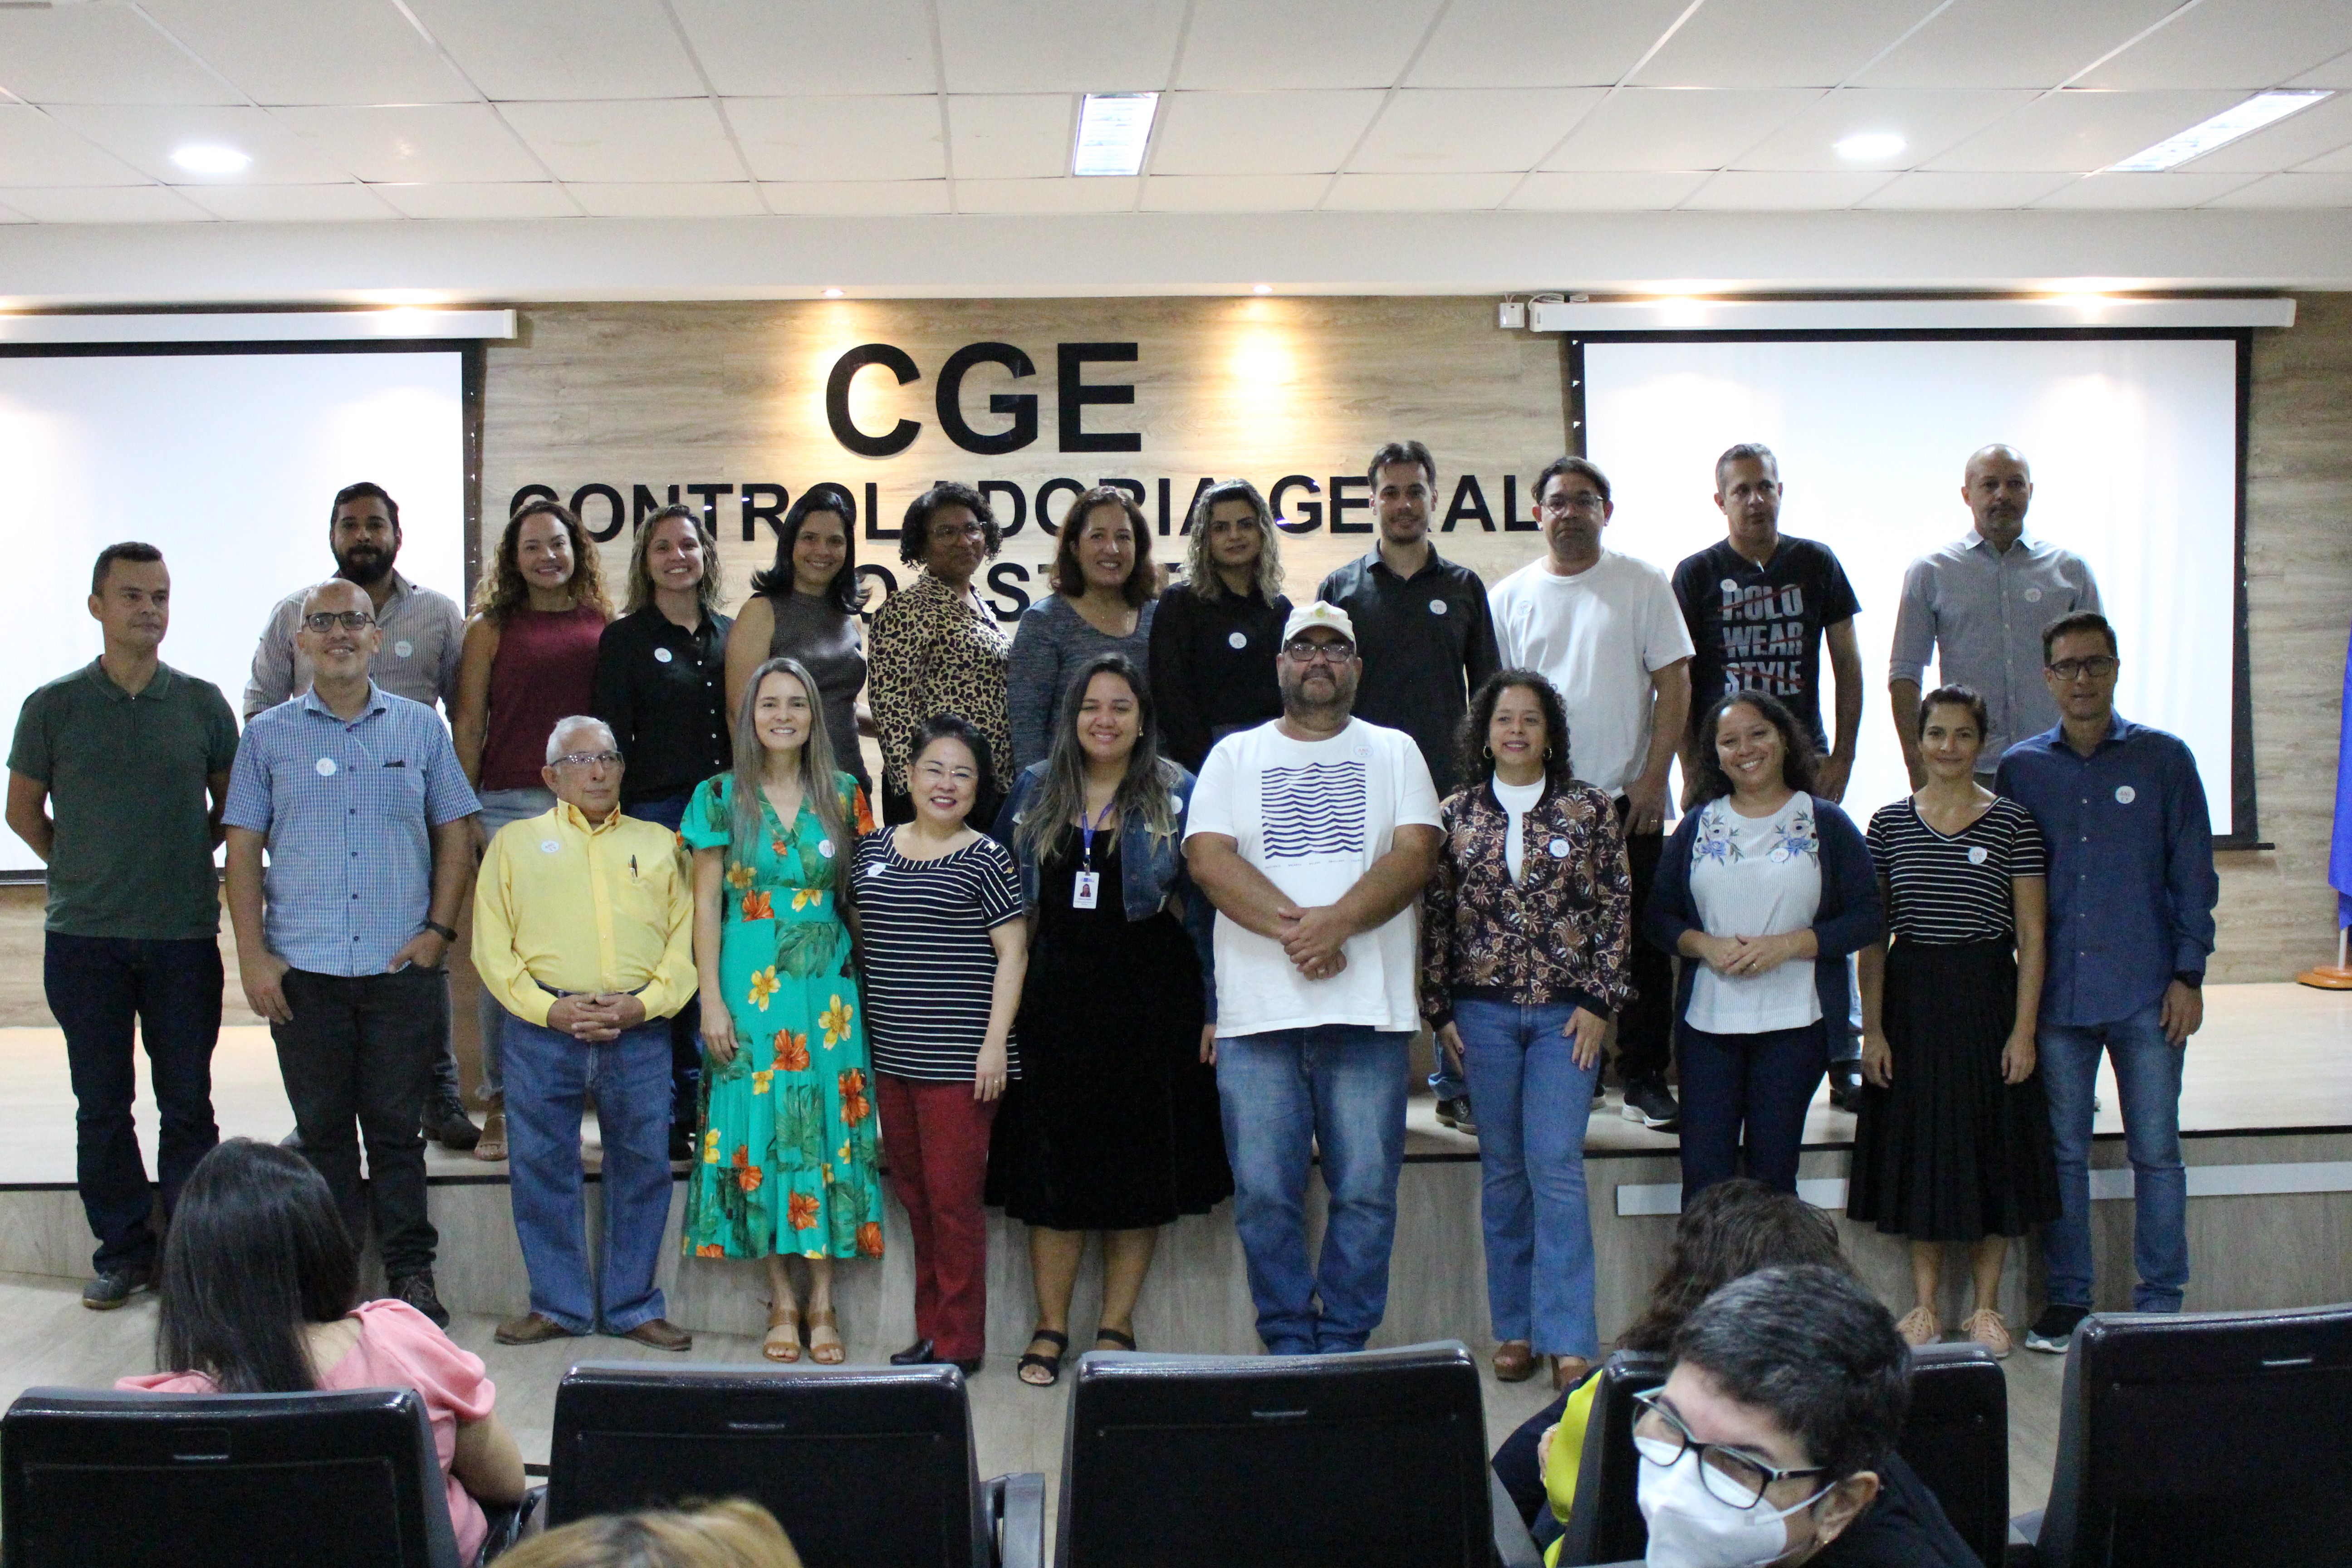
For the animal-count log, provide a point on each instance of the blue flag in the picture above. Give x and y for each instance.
(2339, 850)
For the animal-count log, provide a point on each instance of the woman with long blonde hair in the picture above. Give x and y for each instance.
(1213, 640)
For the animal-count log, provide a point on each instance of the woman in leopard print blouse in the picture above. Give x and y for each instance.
(935, 646)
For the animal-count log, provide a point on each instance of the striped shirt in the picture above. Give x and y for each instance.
(1945, 892)
(929, 966)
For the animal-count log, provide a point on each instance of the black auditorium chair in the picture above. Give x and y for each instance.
(2203, 1441)
(345, 1480)
(873, 1466)
(1376, 1460)
(1605, 1524)
(1956, 1438)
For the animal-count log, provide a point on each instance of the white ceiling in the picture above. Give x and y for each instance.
(474, 109)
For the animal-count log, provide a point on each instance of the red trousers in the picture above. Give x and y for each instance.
(935, 1139)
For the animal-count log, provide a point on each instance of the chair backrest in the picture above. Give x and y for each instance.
(1605, 1524)
(869, 1466)
(2198, 1440)
(1375, 1460)
(1956, 1438)
(253, 1481)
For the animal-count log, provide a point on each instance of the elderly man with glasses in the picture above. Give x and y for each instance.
(584, 930)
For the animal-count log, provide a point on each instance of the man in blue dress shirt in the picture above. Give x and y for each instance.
(2131, 921)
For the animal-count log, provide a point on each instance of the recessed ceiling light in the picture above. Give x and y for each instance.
(2262, 109)
(1261, 288)
(210, 160)
(1870, 144)
(832, 293)
(1113, 130)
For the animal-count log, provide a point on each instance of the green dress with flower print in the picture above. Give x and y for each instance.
(788, 1151)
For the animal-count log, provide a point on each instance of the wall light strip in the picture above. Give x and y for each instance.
(1695, 314)
(2262, 109)
(1114, 128)
(405, 322)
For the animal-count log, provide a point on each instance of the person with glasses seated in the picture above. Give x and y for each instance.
(935, 647)
(1772, 1439)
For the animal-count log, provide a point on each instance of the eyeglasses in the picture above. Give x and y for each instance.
(947, 531)
(932, 772)
(1729, 1475)
(2098, 667)
(1582, 501)
(588, 759)
(1300, 650)
(328, 620)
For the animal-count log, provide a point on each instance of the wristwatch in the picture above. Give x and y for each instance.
(443, 932)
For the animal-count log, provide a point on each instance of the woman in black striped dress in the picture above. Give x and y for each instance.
(1953, 1140)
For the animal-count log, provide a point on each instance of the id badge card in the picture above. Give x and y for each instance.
(1082, 896)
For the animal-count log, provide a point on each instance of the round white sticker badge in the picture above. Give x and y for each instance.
(550, 847)
(403, 647)
(2033, 596)
(1436, 606)
(2126, 795)
(1728, 586)
(1977, 853)
(326, 767)
(824, 848)
(1559, 848)
(1237, 640)
(664, 654)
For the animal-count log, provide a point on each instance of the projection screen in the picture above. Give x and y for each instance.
(2134, 444)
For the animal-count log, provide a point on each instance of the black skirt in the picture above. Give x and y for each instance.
(1949, 1152)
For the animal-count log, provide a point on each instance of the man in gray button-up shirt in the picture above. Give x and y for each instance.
(1979, 607)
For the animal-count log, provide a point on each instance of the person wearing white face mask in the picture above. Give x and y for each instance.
(1772, 1440)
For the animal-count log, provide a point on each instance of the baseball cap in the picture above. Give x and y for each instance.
(1316, 613)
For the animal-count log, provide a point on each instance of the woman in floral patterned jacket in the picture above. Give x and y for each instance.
(1525, 932)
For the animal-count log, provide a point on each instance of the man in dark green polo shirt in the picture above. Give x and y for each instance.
(117, 780)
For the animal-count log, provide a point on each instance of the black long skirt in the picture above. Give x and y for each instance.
(1949, 1152)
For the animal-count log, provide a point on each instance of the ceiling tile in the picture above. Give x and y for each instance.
(2305, 134)
(1664, 128)
(2280, 190)
(10, 214)
(36, 149)
(1964, 193)
(1586, 192)
(98, 54)
(2233, 43)
(1429, 130)
(1930, 122)
(840, 138)
(1541, 43)
(2080, 131)
(2337, 163)
(291, 204)
(145, 136)
(2012, 43)
(1779, 43)
(738, 199)
(127, 203)
(562, 49)
(774, 49)
(1301, 43)
(300, 51)
(1011, 136)
(2144, 191)
(409, 145)
(1233, 193)
(2336, 72)
(1059, 46)
(1418, 193)
(540, 199)
(1068, 193)
(857, 196)
(677, 139)
(1749, 191)
(1259, 132)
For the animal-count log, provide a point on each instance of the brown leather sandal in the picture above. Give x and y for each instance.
(492, 1144)
(788, 1320)
(1514, 1361)
(830, 1350)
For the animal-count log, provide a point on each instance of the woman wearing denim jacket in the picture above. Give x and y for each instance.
(1114, 1125)
(1525, 931)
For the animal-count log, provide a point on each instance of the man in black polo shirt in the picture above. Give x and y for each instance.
(1425, 641)
(135, 757)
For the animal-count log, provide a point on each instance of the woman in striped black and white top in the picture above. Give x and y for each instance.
(1953, 1140)
(944, 949)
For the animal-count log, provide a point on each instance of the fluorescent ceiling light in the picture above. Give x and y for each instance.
(1113, 129)
(2262, 109)
(1870, 144)
(832, 293)
(205, 160)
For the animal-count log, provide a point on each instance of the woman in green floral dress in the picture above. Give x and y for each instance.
(787, 1165)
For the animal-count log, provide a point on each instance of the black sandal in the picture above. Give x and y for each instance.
(1052, 1363)
(1118, 1337)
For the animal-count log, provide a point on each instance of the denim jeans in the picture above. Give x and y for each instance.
(1534, 1103)
(98, 988)
(550, 1078)
(1287, 1093)
(686, 1023)
(2148, 1079)
(1753, 1089)
(500, 806)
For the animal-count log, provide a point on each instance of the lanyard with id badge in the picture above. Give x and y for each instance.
(1089, 883)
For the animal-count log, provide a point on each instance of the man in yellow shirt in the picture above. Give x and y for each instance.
(583, 924)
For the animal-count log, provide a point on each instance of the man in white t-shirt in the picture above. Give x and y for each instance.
(1607, 631)
(1313, 835)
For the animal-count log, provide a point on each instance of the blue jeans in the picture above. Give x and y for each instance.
(1534, 1103)
(686, 1023)
(1758, 1084)
(2148, 1078)
(1339, 1088)
(500, 806)
(549, 1077)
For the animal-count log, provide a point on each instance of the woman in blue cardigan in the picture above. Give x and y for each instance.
(1763, 892)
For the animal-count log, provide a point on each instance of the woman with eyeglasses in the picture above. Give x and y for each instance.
(936, 646)
(1213, 636)
(938, 918)
(806, 607)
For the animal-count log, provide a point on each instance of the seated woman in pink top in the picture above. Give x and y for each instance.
(258, 1227)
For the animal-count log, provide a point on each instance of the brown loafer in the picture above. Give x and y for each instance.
(1515, 1362)
(661, 1334)
(532, 1328)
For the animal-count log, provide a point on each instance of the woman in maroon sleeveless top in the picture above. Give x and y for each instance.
(530, 659)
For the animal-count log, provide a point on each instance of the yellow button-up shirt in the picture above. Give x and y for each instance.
(577, 906)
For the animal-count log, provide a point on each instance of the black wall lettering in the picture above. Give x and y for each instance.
(867, 600)
(533, 493)
(874, 513)
(1511, 522)
(1343, 503)
(772, 512)
(1469, 502)
(1194, 504)
(902, 435)
(1073, 394)
(1046, 492)
(710, 494)
(642, 504)
(1132, 487)
(1007, 577)
(612, 530)
(1165, 497)
(1020, 504)
(1022, 406)
(1311, 510)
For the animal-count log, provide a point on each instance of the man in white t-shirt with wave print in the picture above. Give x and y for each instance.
(1313, 835)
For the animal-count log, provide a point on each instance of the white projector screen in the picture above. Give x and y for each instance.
(228, 462)
(2133, 448)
